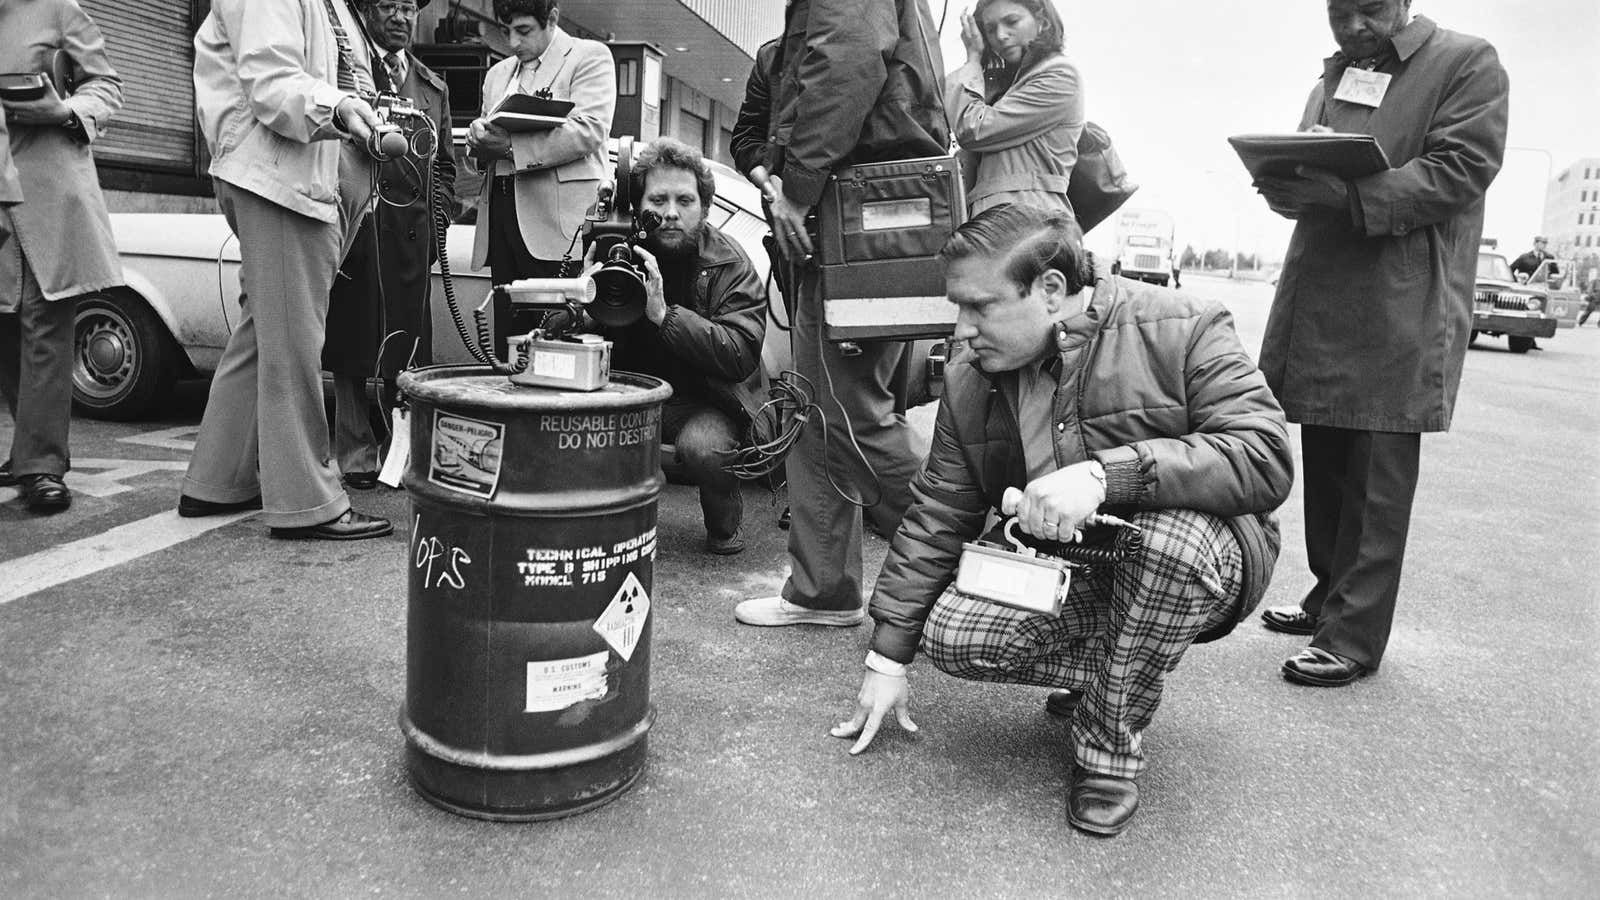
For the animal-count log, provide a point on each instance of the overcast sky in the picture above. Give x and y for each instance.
(1171, 79)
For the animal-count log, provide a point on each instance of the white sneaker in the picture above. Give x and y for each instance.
(774, 611)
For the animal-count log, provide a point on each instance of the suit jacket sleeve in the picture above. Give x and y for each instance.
(725, 342)
(1039, 101)
(1236, 458)
(594, 99)
(99, 92)
(1462, 151)
(841, 73)
(269, 40)
(947, 510)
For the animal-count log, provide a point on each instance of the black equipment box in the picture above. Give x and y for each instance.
(881, 226)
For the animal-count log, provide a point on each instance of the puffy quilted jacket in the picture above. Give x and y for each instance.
(1156, 385)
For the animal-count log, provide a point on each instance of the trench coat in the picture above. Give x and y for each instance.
(358, 320)
(1370, 323)
(1020, 142)
(64, 207)
(10, 184)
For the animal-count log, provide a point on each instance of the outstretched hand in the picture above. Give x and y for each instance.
(879, 695)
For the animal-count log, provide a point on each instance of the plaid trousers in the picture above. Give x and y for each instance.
(1120, 631)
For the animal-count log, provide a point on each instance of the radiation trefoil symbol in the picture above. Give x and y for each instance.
(623, 621)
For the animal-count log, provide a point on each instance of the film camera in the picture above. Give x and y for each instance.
(403, 130)
(615, 226)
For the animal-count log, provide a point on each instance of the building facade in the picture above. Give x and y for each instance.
(681, 67)
(1572, 210)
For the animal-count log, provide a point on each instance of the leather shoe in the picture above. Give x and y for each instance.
(44, 494)
(361, 481)
(1288, 620)
(727, 546)
(1101, 804)
(6, 478)
(1062, 703)
(193, 507)
(1317, 667)
(352, 526)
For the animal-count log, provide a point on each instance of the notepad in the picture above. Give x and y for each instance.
(524, 112)
(1345, 155)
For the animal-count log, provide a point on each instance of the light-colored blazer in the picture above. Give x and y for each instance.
(557, 171)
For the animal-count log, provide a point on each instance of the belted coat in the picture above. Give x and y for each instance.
(61, 225)
(1373, 312)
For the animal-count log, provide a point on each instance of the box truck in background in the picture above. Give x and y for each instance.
(1145, 246)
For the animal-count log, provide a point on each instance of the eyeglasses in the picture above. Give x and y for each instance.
(401, 10)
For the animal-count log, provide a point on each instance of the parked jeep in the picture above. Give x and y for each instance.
(1502, 306)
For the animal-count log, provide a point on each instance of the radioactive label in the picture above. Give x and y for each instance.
(623, 621)
(559, 683)
(466, 454)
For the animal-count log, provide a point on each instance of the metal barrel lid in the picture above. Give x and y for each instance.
(481, 387)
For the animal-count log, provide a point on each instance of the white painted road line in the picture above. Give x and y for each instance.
(86, 556)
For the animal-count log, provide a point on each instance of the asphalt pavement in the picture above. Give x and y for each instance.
(188, 712)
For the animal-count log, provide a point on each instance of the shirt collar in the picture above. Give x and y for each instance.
(1407, 41)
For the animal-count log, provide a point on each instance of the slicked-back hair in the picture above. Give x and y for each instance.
(1050, 27)
(506, 10)
(671, 153)
(1026, 241)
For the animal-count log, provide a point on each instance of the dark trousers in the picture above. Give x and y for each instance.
(1358, 491)
(703, 437)
(509, 260)
(36, 379)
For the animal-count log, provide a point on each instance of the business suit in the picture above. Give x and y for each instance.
(378, 318)
(542, 191)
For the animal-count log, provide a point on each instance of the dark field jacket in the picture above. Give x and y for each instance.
(1155, 385)
(858, 81)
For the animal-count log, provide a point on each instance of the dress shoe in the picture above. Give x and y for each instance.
(1288, 620)
(6, 478)
(1101, 804)
(725, 546)
(361, 481)
(1062, 703)
(352, 526)
(193, 508)
(44, 494)
(1317, 667)
(776, 611)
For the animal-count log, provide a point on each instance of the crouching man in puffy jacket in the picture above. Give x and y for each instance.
(1092, 394)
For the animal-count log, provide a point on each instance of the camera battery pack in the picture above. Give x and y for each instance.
(1012, 578)
(881, 226)
(580, 362)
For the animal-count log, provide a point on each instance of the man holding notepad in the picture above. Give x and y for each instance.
(541, 180)
(1368, 332)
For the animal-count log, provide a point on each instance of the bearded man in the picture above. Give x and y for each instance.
(702, 329)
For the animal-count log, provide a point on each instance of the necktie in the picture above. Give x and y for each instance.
(397, 70)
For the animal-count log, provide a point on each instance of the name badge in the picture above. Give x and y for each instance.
(1363, 87)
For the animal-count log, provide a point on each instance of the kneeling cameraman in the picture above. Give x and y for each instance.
(702, 329)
